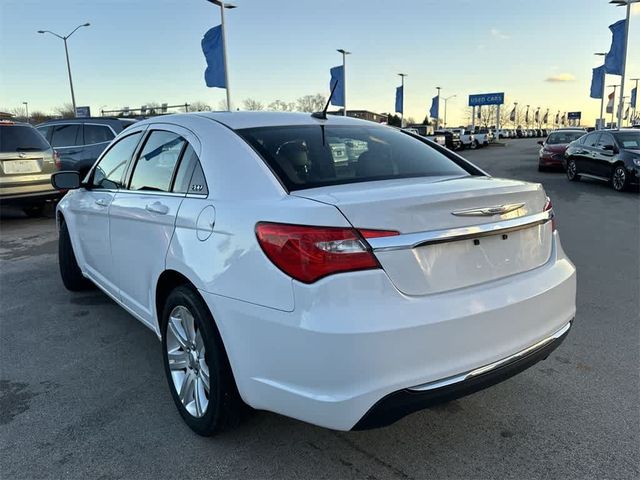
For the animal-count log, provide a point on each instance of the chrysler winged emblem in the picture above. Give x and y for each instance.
(488, 211)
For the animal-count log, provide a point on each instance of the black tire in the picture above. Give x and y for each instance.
(225, 407)
(70, 272)
(475, 144)
(33, 211)
(572, 171)
(619, 180)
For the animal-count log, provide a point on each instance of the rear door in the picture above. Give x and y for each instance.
(143, 215)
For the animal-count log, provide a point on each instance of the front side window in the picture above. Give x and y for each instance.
(97, 134)
(69, 135)
(154, 169)
(605, 139)
(110, 170)
(558, 138)
(314, 155)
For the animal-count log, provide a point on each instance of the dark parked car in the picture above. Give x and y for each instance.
(551, 154)
(26, 164)
(452, 139)
(80, 141)
(611, 155)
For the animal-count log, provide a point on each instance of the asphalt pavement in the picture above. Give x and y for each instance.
(83, 392)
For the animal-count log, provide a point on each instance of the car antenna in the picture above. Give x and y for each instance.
(323, 114)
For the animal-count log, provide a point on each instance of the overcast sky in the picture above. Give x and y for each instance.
(140, 51)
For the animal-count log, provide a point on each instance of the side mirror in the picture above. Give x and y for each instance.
(65, 180)
(540, 142)
(609, 148)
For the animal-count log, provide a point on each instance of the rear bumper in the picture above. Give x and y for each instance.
(353, 339)
(401, 403)
(33, 194)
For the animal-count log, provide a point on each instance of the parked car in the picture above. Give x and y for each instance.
(80, 141)
(551, 153)
(610, 155)
(483, 136)
(467, 139)
(344, 298)
(27, 162)
(504, 133)
(446, 138)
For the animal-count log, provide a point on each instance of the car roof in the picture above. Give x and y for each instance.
(99, 120)
(239, 120)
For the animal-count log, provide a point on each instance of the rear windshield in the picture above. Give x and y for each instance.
(558, 138)
(629, 139)
(21, 138)
(314, 155)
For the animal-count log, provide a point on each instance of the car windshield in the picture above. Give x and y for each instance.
(314, 155)
(629, 139)
(557, 138)
(21, 138)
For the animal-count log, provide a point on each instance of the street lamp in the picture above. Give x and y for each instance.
(445, 108)
(344, 79)
(224, 46)
(402, 75)
(66, 51)
(26, 107)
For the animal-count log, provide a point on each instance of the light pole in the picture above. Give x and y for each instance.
(224, 46)
(445, 109)
(601, 119)
(26, 107)
(402, 75)
(438, 116)
(66, 51)
(344, 79)
(613, 106)
(620, 3)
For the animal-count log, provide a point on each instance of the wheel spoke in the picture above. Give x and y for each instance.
(186, 389)
(204, 375)
(189, 325)
(178, 360)
(176, 328)
(199, 397)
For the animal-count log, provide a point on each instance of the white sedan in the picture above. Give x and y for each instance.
(342, 293)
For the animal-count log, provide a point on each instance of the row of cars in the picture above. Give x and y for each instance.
(29, 155)
(609, 155)
(524, 132)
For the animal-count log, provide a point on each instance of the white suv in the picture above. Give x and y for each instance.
(343, 293)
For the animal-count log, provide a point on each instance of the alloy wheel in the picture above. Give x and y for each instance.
(571, 170)
(619, 178)
(186, 355)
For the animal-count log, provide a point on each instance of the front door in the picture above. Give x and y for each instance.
(91, 213)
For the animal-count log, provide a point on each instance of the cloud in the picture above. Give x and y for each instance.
(561, 77)
(495, 33)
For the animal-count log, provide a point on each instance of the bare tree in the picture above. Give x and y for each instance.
(38, 117)
(311, 103)
(200, 106)
(65, 111)
(281, 106)
(409, 121)
(251, 104)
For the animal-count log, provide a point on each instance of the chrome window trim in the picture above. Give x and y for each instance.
(419, 239)
(492, 366)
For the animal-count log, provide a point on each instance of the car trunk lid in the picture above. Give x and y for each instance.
(454, 232)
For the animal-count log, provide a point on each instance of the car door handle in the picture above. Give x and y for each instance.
(102, 202)
(157, 207)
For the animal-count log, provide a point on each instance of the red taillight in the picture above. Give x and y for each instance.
(56, 159)
(549, 207)
(310, 253)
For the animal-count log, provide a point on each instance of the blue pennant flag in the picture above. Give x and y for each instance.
(615, 58)
(634, 97)
(337, 76)
(214, 54)
(399, 99)
(597, 82)
(435, 107)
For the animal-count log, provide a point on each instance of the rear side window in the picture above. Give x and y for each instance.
(110, 170)
(591, 140)
(157, 162)
(190, 177)
(314, 155)
(97, 134)
(45, 131)
(69, 135)
(558, 138)
(21, 138)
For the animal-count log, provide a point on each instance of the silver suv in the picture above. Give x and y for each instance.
(26, 164)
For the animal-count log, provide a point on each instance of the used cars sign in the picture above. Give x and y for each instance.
(486, 99)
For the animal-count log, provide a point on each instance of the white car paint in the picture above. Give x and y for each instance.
(326, 352)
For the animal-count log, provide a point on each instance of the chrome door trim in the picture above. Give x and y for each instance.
(492, 366)
(419, 239)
